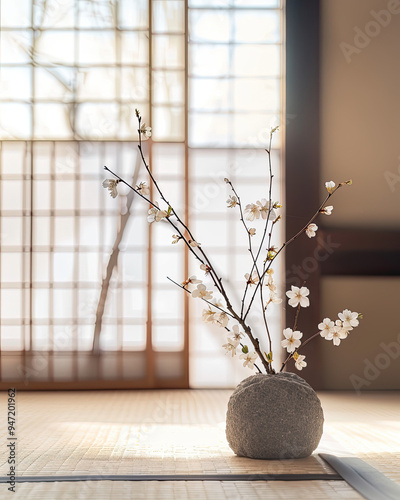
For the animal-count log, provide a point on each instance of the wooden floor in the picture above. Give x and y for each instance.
(181, 432)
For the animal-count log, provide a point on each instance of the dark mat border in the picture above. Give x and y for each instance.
(177, 477)
(369, 482)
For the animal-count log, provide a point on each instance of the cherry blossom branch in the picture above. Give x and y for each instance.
(268, 216)
(296, 316)
(176, 228)
(255, 258)
(216, 279)
(264, 313)
(249, 240)
(290, 240)
(245, 327)
(261, 280)
(204, 300)
(255, 342)
(300, 346)
(241, 345)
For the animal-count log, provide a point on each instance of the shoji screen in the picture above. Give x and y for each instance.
(206, 76)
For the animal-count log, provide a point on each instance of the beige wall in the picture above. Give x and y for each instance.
(360, 112)
(360, 139)
(369, 358)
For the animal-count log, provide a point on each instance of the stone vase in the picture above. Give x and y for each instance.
(274, 417)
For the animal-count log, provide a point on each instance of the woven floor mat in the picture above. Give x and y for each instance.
(142, 432)
(108, 490)
(181, 432)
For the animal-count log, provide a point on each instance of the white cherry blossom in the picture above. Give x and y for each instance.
(143, 189)
(249, 359)
(349, 318)
(252, 212)
(253, 279)
(205, 268)
(111, 185)
(292, 339)
(264, 206)
(341, 329)
(327, 210)
(311, 230)
(151, 214)
(274, 298)
(145, 131)
(299, 361)
(237, 335)
(327, 327)
(208, 315)
(160, 215)
(202, 292)
(337, 335)
(191, 280)
(221, 319)
(232, 201)
(298, 296)
(231, 346)
(330, 186)
(155, 214)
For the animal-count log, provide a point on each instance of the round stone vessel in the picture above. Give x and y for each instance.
(274, 417)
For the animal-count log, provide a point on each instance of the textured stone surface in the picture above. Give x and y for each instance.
(274, 417)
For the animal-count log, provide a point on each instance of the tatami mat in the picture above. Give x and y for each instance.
(108, 490)
(182, 432)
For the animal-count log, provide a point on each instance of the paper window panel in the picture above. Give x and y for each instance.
(15, 121)
(41, 195)
(134, 337)
(96, 48)
(11, 304)
(15, 46)
(97, 14)
(209, 26)
(40, 267)
(209, 60)
(168, 88)
(168, 160)
(135, 85)
(133, 15)
(11, 232)
(54, 47)
(97, 84)
(15, 84)
(262, 95)
(168, 51)
(247, 60)
(169, 124)
(209, 94)
(168, 16)
(256, 26)
(12, 338)
(53, 121)
(54, 14)
(16, 13)
(168, 337)
(134, 48)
